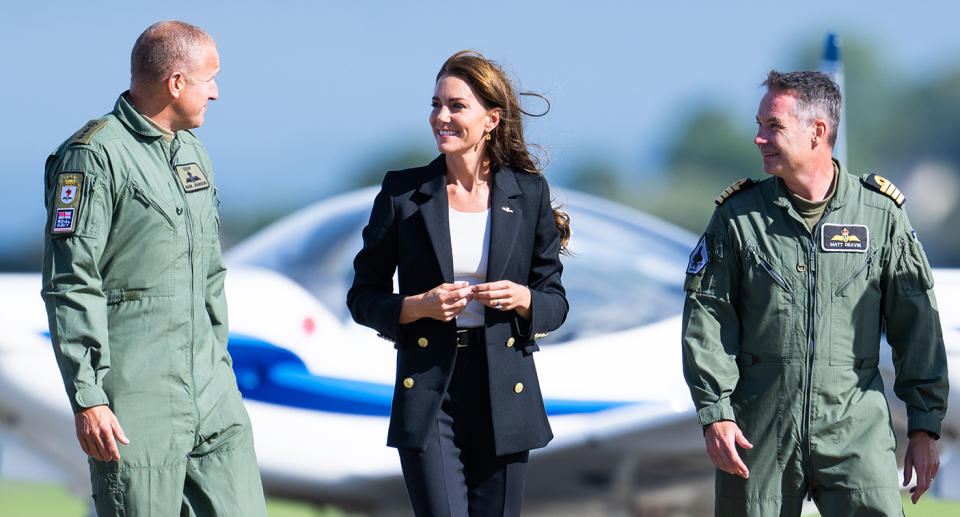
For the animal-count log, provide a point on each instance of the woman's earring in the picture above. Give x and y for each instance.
(487, 137)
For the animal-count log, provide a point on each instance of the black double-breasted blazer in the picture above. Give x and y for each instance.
(409, 233)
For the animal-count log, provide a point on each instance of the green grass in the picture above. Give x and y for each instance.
(19, 499)
(22, 499)
(284, 508)
(929, 507)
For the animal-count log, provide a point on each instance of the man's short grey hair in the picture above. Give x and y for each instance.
(167, 47)
(817, 97)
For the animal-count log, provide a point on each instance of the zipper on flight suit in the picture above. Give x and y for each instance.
(811, 342)
(140, 195)
(772, 272)
(171, 155)
(859, 271)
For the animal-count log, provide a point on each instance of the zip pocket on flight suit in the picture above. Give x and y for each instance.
(860, 271)
(139, 195)
(769, 269)
(145, 265)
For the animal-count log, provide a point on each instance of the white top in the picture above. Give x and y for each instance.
(470, 244)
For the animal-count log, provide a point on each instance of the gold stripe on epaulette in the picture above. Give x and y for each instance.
(737, 186)
(540, 335)
(86, 132)
(887, 187)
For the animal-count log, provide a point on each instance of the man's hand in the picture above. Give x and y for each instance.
(922, 456)
(96, 428)
(722, 439)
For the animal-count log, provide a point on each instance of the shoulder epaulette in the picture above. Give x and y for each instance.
(884, 186)
(86, 132)
(740, 184)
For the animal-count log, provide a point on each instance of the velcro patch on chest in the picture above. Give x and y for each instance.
(192, 177)
(845, 238)
(67, 204)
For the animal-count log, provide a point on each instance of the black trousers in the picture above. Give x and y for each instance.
(459, 474)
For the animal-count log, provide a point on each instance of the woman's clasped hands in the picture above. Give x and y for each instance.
(446, 301)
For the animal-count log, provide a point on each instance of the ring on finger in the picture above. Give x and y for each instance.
(496, 304)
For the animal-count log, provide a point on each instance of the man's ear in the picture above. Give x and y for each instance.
(175, 84)
(819, 132)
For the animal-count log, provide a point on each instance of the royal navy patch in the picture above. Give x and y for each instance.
(698, 257)
(192, 177)
(86, 132)
(67, 206)
(845, 237)
(740, 184)
(885, 186)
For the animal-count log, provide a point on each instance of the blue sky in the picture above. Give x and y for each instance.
(311, 91)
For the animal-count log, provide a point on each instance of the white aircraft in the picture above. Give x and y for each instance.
(318, 386)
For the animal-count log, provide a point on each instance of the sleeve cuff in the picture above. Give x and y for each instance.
(522, 328)
(89, 397)
(715, 413)
(924, 422)
(388, 324)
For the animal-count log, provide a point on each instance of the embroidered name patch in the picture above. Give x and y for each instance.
(698, 257)
(66, 207)
(192, 177)
(845, 237)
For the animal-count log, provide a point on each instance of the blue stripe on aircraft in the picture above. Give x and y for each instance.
(268, 373)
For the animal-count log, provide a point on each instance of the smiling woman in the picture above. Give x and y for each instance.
(476, 246)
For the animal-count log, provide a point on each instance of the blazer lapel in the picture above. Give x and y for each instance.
(436, 216)
(505, 217)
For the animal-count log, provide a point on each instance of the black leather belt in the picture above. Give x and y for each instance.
(469, 337)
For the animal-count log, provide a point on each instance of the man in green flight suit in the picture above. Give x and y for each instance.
(133, 285)
(788, 291)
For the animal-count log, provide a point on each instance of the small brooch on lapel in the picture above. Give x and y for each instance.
(506, 209)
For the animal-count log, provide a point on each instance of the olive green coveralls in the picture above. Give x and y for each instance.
(781, 334)
(133, 285)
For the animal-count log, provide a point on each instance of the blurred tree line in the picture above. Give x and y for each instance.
(903, 130)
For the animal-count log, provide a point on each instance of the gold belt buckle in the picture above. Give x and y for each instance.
(461, 332)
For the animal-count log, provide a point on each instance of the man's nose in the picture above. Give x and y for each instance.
(215, 93)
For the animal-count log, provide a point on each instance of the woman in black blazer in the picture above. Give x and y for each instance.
(467, 406)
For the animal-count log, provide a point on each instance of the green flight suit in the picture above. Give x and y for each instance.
(133, 285)
(781, 334)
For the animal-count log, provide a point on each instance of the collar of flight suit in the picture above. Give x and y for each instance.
(133, 119)
(842, 192)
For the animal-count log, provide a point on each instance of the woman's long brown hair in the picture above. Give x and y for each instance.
(506, 146)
